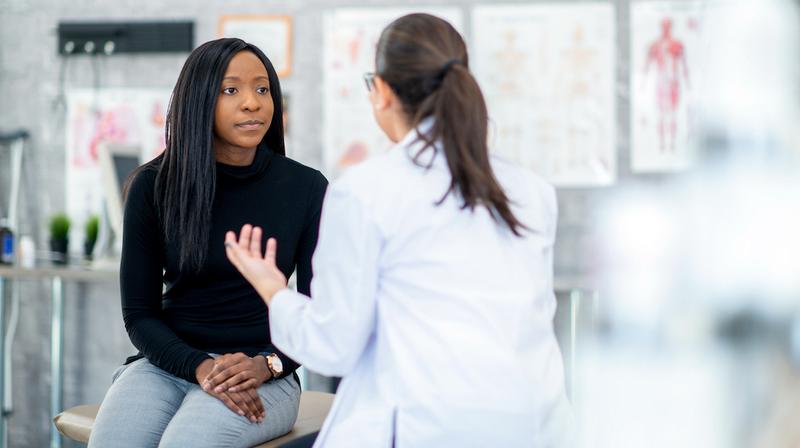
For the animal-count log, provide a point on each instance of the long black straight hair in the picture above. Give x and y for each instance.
(424, 60)
(186, 179)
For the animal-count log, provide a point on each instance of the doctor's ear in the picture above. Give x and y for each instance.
(383, 95)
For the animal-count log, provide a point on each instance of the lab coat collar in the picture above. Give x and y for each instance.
(411, 144)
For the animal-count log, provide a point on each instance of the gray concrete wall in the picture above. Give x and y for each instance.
(95, 341)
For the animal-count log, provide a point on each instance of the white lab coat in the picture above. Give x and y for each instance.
(439, 319)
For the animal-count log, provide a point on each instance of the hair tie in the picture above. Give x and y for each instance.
(447, 66)
(443, 72)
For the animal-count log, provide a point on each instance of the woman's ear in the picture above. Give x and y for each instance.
(383, 97)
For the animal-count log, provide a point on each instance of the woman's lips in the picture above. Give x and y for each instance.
(250, 125)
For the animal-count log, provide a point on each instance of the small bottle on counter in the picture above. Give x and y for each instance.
(26, 252)
(6, 243)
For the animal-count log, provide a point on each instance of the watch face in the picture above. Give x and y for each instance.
(277, 364)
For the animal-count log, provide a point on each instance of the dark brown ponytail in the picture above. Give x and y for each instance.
(424, 61)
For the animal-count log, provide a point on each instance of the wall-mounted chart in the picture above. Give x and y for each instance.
(665, 54)
(350, 132)
(548, 74)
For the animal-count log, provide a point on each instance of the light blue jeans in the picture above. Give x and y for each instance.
(148, 407)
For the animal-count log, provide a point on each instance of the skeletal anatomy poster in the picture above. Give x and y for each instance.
(547, 71)
(350, 133)
(665, 50)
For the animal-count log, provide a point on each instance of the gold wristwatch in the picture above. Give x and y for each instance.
(274, 364)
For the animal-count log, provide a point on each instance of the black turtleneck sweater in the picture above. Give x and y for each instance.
(176, 317)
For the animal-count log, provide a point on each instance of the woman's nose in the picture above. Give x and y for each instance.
(250, 102)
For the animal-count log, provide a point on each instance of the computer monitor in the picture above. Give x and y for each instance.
(117, 162)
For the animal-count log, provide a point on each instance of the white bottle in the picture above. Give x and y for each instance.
(26, 252)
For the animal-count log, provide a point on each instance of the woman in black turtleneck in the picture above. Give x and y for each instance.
(184, 305)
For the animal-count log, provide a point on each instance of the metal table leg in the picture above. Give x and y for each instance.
(56, 337)
(2, 363)
(575, 296)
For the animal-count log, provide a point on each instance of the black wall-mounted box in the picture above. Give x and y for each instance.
(125, 37)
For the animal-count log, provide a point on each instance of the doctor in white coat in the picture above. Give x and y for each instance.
(433, 287)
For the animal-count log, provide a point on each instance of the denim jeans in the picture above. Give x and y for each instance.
(148, 407)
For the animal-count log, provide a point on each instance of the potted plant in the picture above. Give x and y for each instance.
(91, 228)
(59, 237)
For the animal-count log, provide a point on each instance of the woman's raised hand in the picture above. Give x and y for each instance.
(260, 271)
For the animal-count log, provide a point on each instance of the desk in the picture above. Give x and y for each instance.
(57, 276)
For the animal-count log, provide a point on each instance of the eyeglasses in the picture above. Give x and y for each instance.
(369, 80)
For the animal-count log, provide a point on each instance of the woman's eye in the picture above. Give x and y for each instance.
(229, 90)
(262, 90)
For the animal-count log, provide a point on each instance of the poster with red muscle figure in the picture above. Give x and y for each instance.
(665, 59)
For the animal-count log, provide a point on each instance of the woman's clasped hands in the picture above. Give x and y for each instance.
(234, 379)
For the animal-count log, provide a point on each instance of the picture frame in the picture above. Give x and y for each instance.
(271, 33)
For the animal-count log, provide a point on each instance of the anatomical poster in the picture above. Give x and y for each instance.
(548, 74)
(350, 134)
(665, 55)
(132, 117)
